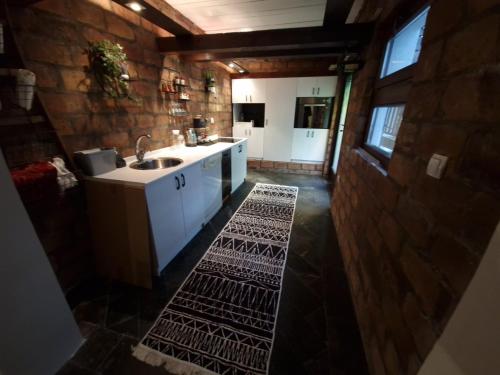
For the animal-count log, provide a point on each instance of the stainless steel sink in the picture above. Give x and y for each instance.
(156, 163)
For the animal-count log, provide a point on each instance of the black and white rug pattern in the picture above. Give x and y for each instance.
(222, 318)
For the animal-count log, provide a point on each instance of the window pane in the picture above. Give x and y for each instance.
(384, 128)
(404, 48)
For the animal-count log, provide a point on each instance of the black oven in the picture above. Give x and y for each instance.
(313, 113)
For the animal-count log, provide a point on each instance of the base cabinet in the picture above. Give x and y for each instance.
(212, 185)
(255, 138)
(238, 165)
(138, 229)
(309, 144)
(176, 210)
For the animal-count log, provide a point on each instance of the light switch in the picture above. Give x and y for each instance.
(436, 165)
(212, 120)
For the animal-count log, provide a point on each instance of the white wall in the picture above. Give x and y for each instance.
(37, 329)
(470, 344)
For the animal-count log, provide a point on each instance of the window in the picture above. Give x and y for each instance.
(384, 128)
(391, 89)
(404, 48)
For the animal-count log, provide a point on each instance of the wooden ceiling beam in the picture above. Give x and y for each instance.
(22, 3)
(266, 42)
(157, 17)
(288, 53)
(336, 12)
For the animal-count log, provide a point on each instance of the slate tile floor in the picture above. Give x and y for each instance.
(316, 331)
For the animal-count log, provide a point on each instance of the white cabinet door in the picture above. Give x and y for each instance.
(248, 90)
(255, 142)
(280, 114)
(238, 165)
(257, 90)
(192, 198)
(166, 218)
(326, 86)
(306, 87)
(318, 139)
(309, 144)
(301, 145)
(316, 86)
(240, 129)
(238, 91)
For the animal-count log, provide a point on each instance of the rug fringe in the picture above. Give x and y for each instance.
(172, 365)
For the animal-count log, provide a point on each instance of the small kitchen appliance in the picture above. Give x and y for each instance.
(191, 138)
(96, 161)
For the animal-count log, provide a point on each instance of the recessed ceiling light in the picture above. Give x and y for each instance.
(246, 29)
(231, 65)
(241, 71)
(135, 6)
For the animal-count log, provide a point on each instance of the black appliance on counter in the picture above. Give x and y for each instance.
(313, 113)
(226, 174)
(250, 112)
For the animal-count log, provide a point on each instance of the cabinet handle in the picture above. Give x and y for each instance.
(251, 100)
(267, 121)
(183, 180)
(313, 91)
(239, 149)
(307, 135)
(250, 131)
(178, 184)
(319, 88)
(312, 134)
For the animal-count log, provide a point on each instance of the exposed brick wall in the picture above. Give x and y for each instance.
(81, 114)
(411, 243)
(53, 35)
(278, 166)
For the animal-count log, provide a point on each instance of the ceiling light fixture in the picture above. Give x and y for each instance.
(135, 6)
(235, 66)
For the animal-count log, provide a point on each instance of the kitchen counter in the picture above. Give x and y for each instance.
(189, 156)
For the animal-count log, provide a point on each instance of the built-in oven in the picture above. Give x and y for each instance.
(313, 113)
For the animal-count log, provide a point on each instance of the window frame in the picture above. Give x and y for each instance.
(393, 89)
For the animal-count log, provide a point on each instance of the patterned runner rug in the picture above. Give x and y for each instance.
(222, 318)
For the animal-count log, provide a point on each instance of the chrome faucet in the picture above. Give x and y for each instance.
(139, 153)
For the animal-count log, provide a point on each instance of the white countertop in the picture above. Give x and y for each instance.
(189, 156)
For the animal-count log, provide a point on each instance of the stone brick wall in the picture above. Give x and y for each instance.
(52, 37)
(284, 167)
(411, 243)
(81, 114)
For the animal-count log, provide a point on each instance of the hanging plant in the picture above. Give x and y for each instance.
(108, 63)
(209, 81)
(209, 78)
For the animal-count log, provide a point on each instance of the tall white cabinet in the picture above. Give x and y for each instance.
(280, 114)
(279, 140)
